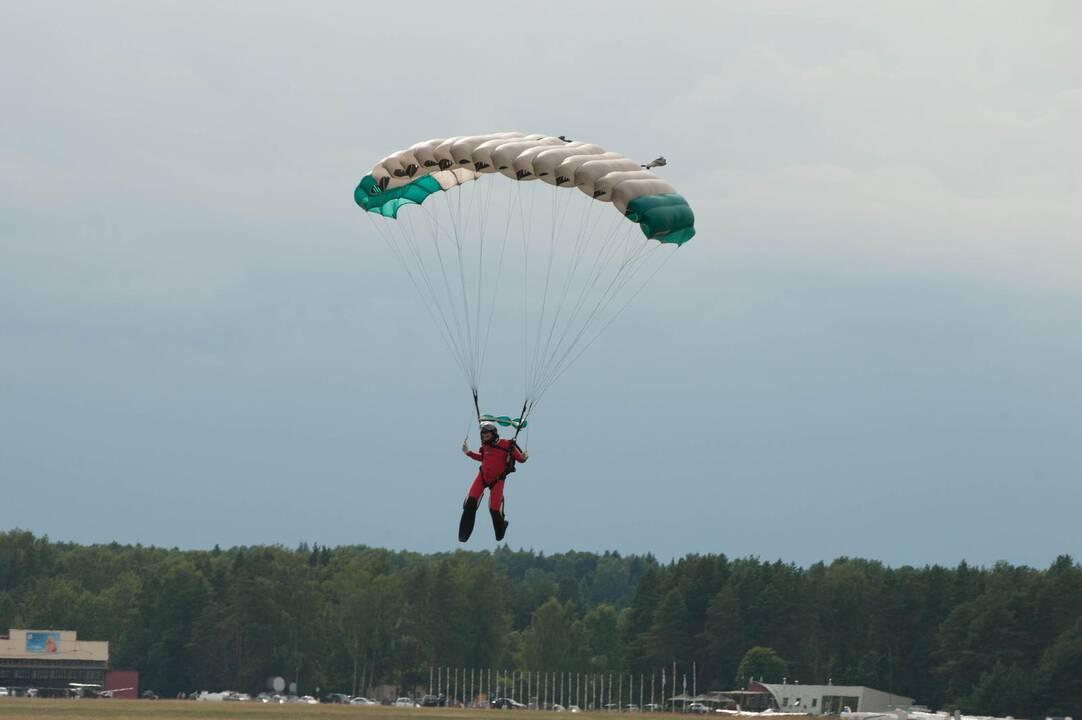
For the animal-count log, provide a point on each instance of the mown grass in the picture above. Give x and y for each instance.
(41, 709)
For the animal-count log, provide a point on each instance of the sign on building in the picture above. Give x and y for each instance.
(43, 642)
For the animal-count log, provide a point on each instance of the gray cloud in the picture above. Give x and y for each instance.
(871, 348)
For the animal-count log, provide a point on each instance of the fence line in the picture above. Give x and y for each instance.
(536, 689)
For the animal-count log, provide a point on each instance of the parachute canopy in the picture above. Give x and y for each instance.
(410, 176)
(580, 263)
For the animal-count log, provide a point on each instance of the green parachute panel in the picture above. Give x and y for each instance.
(666, 218)
(387, 203)
(643, 203)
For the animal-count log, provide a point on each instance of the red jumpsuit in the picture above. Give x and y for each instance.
(493, 471)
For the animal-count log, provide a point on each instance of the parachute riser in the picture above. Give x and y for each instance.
(522, 419)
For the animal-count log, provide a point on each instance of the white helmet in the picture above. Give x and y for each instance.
(489, 427)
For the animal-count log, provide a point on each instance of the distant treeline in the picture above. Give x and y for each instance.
(1000, 640)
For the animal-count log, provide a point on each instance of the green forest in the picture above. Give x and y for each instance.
(989, 640)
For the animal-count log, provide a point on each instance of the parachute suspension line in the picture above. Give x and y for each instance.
(483, 203)
(611, 320)
(458, 237)
(604, 266)
(434, 307)
(452, 303)
(590, 281)
(615, 285)
(408, 232)
(527, 226)
(602, 261)
(627, 272)
(597, 267)
(527, 237)
(554, 239)
(499, 273)
(485, 193)
(577, 254)
(462, 317)
(415, 278)
(457, 296)
(483, 333)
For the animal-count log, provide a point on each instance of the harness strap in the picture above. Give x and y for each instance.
(509, 465)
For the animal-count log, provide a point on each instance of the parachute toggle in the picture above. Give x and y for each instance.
(505, 421)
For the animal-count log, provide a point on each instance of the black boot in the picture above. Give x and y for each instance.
(499, 524)
(465, 525)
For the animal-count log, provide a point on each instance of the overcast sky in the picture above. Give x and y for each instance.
(871, 348)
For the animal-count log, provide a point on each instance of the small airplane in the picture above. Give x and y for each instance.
(92, 690)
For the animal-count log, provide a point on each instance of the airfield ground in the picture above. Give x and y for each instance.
(103, 709)
(41, 709)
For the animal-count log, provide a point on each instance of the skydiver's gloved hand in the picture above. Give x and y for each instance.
(465, 446)
(525, 455)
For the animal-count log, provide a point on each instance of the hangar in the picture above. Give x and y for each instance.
(51, 660)
(826, 699)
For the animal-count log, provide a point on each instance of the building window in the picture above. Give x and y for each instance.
(785, 702)
(815, 701)
(834, 704)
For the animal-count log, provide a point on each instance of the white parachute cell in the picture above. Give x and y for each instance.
(546, 161)
(588, 174)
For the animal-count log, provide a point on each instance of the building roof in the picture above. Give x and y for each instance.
(780, 691)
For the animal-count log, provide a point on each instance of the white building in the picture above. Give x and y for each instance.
(829, 699)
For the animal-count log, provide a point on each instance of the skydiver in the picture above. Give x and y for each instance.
(498, 458)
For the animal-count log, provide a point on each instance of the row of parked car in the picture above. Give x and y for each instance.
(504, 703)
(441, 700)
(426, 701)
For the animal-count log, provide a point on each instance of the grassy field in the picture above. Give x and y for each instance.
(184, 709)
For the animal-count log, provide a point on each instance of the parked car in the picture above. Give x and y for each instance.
(698, 708)
(506, 703)
(335, 698)
(362, 701)
(631, 708)
(651, 707)
(434, 700)
(574, 708)
(149, 695)
(4, 692)
(404, 702)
